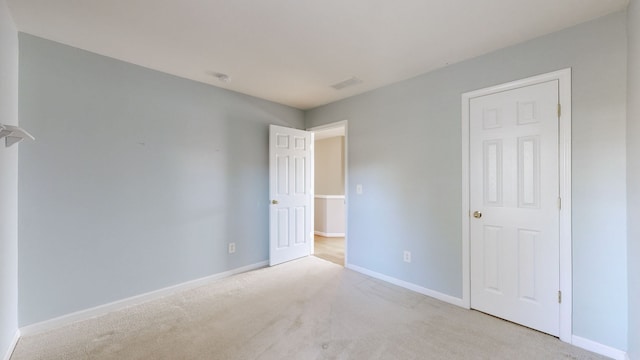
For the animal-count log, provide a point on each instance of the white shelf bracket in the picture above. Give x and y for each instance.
(13, 134)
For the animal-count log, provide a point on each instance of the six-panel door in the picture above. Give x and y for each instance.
(514, 193)
(290, 194)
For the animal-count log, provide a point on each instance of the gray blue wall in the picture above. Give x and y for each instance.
(405, 149)
(137, 180)
(8, 181)
(633, 176)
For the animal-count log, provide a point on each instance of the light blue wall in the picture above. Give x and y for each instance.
(633, 176)
(8, 181)
(137, 180)
(405, 149)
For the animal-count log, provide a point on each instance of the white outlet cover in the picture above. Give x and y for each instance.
(359, 189)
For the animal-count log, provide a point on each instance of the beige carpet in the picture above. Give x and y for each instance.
(305, 309)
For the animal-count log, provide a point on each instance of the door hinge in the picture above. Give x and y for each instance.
(559, 297)
(560, 203)
(559, 111)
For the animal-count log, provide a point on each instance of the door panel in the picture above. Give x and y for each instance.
(514, 188)
(492, 239)
(493, 173)
(290, 193)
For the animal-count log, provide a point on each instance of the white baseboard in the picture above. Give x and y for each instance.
(12, 346)
(328, 234)
(599, 348)
(407, 285)
(134, 300)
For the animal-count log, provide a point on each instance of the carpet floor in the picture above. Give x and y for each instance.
(305, 309)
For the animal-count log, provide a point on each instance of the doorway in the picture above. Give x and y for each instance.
(517, 201)
(329, 174)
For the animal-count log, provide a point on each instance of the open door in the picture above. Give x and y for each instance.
(291, 194)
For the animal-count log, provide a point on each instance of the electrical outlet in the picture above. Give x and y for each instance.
(407, 256)
(232, 248)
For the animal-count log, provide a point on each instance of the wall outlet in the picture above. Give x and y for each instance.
(407, 256)
(232, 248)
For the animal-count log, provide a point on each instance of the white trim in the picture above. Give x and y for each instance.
(599, 348)
(324, 234)
(330, 126)
(407, 285)
(564, 138)
(345, 125)
(12, 346)
(466, 210)
(346, 191)
(134, 300)
(566, 266)
(329, 196)
(312, 207)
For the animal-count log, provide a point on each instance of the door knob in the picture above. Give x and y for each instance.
(477, 214)
(274, 202)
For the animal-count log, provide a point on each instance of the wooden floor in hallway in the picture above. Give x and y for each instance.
(330, 249)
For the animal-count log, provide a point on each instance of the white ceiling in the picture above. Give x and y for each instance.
(292, 51)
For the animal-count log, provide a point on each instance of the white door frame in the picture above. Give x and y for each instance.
(338, 124)
(564, 138)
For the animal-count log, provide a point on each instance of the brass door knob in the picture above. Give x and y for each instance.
(274, 202)
(477, 214)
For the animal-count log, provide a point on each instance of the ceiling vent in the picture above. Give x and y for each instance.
(346, 83)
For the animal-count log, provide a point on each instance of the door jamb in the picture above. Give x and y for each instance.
(338, 124)
(564, 153)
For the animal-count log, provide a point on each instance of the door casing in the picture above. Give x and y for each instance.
(564, 181)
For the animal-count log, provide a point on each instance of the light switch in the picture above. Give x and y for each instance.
(359, 189)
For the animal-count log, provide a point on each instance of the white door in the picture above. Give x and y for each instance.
(514, 201)
(291, 194)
